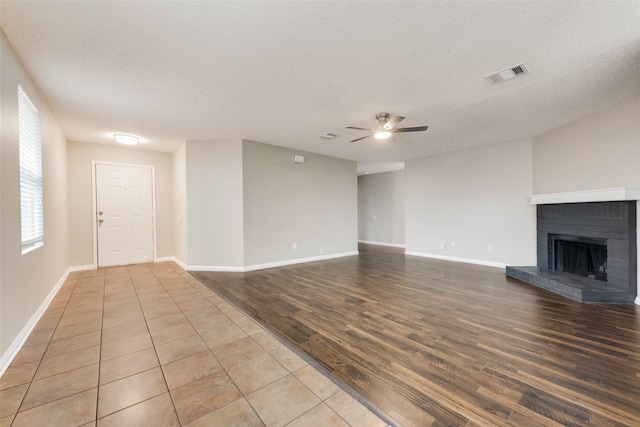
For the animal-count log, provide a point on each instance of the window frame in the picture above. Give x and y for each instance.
(31, 177)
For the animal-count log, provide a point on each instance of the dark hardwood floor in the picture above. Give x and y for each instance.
(436, 343)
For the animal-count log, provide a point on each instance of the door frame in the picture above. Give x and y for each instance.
(94, 204)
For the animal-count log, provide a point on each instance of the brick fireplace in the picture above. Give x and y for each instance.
(586, 251)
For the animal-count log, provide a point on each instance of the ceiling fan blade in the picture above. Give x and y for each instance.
(393, 122)
(356, 140)
(413, 129)
(357, 128)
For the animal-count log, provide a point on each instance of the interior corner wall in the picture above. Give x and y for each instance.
(180, 203)
(474, 198)
(381, 208)
(313, 204)
(597, 152)
(214, 204)
(27, 280)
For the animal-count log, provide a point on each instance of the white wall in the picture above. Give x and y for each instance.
(473, 198)
(81, 216)
(214, 203)
(381, 208)
(26, 280)
(180, 203)
(313, 204)
(596, 152)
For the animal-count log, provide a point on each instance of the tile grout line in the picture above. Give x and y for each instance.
(104, 296)
(311, 409)
(45, 351)
(146, 370)
(263, 329)
(173, 403)
(361, 400)
(211, 351)
(101, 338)
(244, 396)
(77, 291)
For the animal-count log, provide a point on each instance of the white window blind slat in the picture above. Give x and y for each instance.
(31, 203)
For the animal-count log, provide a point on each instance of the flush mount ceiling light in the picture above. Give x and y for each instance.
(126, 139)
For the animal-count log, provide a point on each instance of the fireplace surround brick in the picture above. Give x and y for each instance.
(614, 221)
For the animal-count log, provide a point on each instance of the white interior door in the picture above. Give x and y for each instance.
(124, 214)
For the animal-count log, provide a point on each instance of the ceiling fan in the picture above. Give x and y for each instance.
(386, 127)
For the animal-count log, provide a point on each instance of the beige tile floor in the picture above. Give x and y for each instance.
(149, 345)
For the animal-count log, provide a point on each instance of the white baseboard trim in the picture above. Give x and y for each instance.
(19, 341)
(165, 259)
(457, 259)
(81, 268)
(215, 268)
(391, 245)
(172, 259)
(298, 261)
(254, 267)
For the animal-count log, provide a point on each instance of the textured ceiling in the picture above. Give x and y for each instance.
(285, 72)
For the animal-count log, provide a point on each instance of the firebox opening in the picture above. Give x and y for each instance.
(583, 256)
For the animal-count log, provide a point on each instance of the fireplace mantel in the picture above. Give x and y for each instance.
(603, 195)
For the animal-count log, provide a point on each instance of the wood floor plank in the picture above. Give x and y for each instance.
(436, 343)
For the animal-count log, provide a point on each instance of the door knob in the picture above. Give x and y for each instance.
(100, 221)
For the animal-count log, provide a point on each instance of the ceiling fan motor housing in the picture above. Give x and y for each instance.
(382, 118)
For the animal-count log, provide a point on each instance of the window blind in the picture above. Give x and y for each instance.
(30, 142)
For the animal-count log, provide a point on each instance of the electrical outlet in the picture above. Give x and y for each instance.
(321, 251)
(373, 217)
(490, 248)
(453, 244)
(294, 246)
(443, 245)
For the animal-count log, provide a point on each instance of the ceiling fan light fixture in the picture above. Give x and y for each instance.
(386, 127)
(382, 134)
(126, 139)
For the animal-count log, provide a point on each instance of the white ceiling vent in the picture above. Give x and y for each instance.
(506, 74)
(328, 135)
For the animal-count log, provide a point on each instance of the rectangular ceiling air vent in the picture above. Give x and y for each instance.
(506, 74)
(328, 135)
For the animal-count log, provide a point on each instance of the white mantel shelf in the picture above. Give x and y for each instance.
(604, 195)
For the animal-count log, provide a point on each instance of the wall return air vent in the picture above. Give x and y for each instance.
(506, 74)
